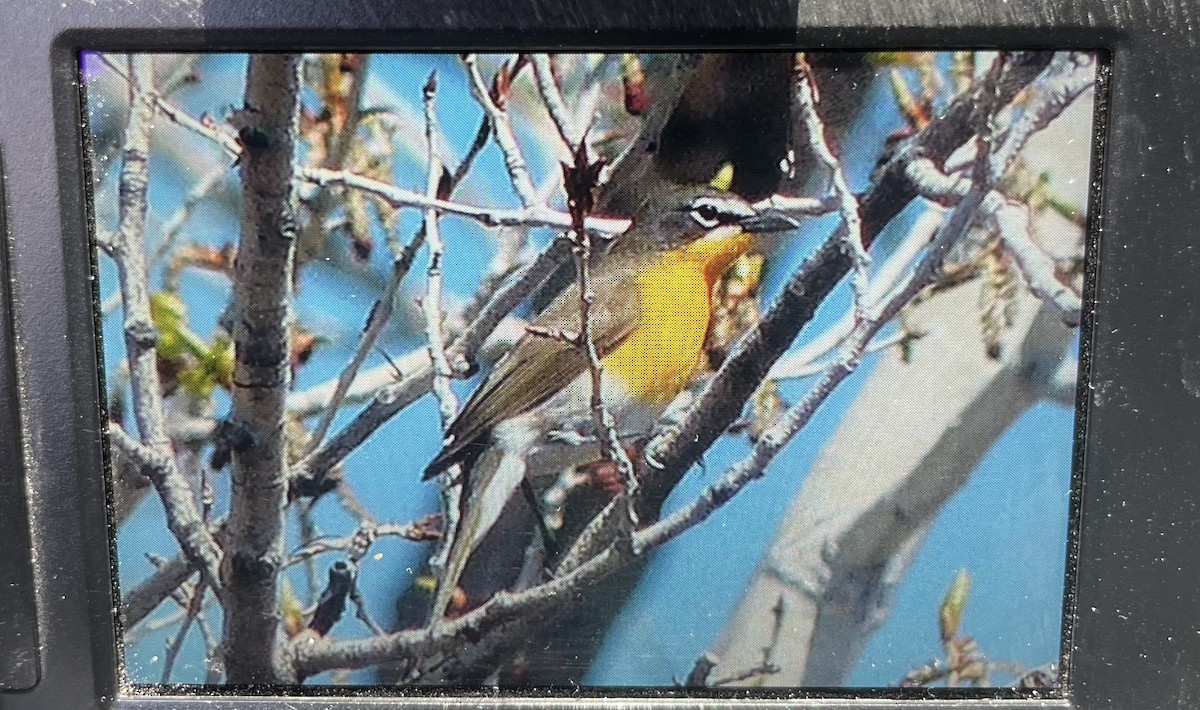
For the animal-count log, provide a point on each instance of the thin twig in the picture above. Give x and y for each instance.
(477, 146)
(376, 320)
(451, 479)
(360, 612)
(848, 206)
(795, 206)
(505, 136)
(204, 128)
(533, 216)
(356, 544)
(581, 180)
(194, 609)
(1011, 221)
(140, 601)
(1068, 77)
(432, 303)
(552, 99)
(807, 360)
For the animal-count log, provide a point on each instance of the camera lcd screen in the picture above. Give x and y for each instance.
(638, 370)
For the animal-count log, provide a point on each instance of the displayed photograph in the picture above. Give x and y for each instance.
(704, 372)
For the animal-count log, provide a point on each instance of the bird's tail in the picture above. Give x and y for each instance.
(493, 478)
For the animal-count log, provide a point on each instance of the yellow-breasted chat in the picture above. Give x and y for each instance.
(651, 312)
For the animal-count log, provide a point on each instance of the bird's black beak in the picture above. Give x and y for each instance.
(768, 221)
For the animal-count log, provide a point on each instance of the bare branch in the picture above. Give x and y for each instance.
(356, 545)
(1069, 76)
(477, 146)
(137, 603)
(376, 320)
(432, 303)
(451, 480)
(193, 610)
(128, 251)
(799, 206)
(506, 138)
(262, 300)
(533, 216)
(848, 207)
(1011, 221)
(581, 180)
(204, 128)
(507, 297)
(1037, 268)
(503, 609)
(552, 98)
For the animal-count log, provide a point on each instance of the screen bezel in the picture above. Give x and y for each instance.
(1135, 455)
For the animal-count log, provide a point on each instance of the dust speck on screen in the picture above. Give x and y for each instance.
(654, 371)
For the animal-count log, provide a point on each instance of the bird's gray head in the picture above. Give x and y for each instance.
(680, 216)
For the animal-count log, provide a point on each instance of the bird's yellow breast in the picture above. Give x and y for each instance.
(674, 294)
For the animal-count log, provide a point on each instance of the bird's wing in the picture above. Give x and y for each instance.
(539, 366)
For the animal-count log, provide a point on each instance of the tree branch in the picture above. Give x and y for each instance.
(431, 305)
(552, 99)
(137, 603)
(805, 102)
(262, 300)
(504, 135)
(533, 216)
(129, 253)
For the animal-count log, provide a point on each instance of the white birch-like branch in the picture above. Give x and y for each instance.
(1037, 268)
(862, 512)
(1011, 221)
(1069, 76)
(435, 335)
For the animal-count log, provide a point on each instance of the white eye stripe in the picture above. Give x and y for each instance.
(710, 211)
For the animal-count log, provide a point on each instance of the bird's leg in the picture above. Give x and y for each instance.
(606, 475)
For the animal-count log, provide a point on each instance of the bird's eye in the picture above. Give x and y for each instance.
(707, 215)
